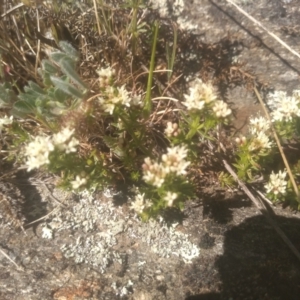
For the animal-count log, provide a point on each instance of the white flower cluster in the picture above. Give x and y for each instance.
(284, 108)
(5, 121)
(172, 162)
(202, 94)
(105, 76)
(114, 96)
(258, 129)
(172, 129)
(38, 150)
(259, 124)
(169, 198)
(221, 109)
(139, 204)
(277, 184)
(78, 182)
(63, 141)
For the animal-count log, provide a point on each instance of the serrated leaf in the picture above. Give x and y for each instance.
(66, 87)
(69, 50)
(67, 67)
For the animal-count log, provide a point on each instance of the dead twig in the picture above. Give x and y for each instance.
(12, 261)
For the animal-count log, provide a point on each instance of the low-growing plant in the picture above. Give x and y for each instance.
(110, 131)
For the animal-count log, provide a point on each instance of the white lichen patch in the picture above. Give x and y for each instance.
(165, 241)
(94, 227)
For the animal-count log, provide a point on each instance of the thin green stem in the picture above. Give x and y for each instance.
(148, 100)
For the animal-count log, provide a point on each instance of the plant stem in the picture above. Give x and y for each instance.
(148, 101)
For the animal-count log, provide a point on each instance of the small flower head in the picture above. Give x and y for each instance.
(200, 94)
(105, 76)
(114, 97)
(277, 183)
(169, 198)
(259, 125)
(284, 108)
(37, 152)
(174, 160)
(78, 182)
(136, 100)
(172, 129)
(154, 173)
(261, 141)
(221, 109)
(139, 204)
(241, 140)
(5, 121)
(63, 141)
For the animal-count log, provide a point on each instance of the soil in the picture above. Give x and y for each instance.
(241, 256)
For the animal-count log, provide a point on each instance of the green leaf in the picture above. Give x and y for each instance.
(58, 56)
(23, 107)
(7, 96)
(67, 67)
(36, 88)
(66, 87)
(69, 50)
(28, 98)
(49, 67)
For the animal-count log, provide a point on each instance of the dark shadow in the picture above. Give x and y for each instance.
(33, 207)
(256, 264)
(219, 208)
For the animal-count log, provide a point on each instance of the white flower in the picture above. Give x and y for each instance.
(221, 109)
(200, 94)
(71, 146)
(105, 75)
(5, 121)
(123, 95)
(113, 97)
(78, 182)
(136, 100)
(284, 108)
(139, 204)
(172, 129)
(261, 141)
(63, 142)
(154, 173)
(169, 129)
(241, 140)
(174, 160)
(170, 197)
(38, 151)
(259, 124)
(62, 136)
(277, 184)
